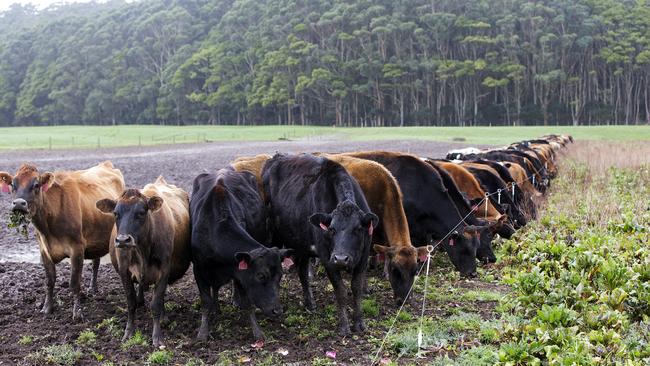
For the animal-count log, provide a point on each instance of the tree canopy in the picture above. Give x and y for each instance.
(349, 63)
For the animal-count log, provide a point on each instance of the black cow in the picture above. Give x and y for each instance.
(484, 252)
(519, 199)
(228, 223)
(430, 211)
(303, 189)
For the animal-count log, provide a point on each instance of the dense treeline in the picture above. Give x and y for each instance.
(358, 63)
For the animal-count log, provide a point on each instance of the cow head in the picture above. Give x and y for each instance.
(486, 233)
(27, 187)
(258, 273)
(346, 229)
(461, 247)
(132, 214)
(402, 265)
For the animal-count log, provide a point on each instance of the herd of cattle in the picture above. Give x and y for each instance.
(250, 221)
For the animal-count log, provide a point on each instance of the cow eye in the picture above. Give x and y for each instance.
(36, 185)
(262, 277)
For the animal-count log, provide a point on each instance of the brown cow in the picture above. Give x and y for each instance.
(468, 184)
(253, 164)
(62, 207)
(151, 245)
(531, 194)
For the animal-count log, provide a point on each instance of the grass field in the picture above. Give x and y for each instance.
(134, 135)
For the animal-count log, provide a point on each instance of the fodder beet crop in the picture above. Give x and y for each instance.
(580, 274)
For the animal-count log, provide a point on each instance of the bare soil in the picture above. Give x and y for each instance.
(24, 331)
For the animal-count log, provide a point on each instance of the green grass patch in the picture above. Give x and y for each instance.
(134, 135)
(369, 307)
(111, 325)
(480, 295)
(86, 337)
(26, 340)
(58, 354)
(163, 357)
(138, 339)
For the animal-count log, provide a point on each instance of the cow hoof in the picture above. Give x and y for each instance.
(157, 343)
(47, 309)
(359, 326)
(127, 335)
(77, 316)
(344, 331)
(202, 336)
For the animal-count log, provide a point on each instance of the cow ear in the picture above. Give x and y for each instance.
(5, 182)
(381, 249)
(106, 205)
(321, 220)
(423, 252)
(370, 218)
(243, 260)
(46, 180)
(154, 203)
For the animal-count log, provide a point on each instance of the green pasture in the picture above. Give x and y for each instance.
(135, 135)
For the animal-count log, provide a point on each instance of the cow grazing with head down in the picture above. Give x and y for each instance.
(430, 211)
(486, 230)
(385, 200)
(151, 245)
(472, 189)
(62, 207)
(491, 182)
(304, 189)
(228, 227)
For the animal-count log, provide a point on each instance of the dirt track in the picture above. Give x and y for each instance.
(22, 284)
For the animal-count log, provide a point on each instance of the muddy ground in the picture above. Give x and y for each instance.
(25, 334)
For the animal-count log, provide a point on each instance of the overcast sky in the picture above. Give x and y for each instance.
(40, 4)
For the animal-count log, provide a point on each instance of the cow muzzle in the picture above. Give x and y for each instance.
(341, 260)
(20, 205)
(123, 241)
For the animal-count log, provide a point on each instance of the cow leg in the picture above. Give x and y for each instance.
(93, 282)
(303, 274)
(131, 302)
(50, 280)
(249, 309)
(77, 263)
(140, 299)
(357, 283)
(341, 298)
(207, 305)
(158, 309)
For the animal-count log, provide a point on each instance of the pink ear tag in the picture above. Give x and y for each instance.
(370, 229)
(287, 263)
(381, 257)
(242, 265)
(44, 188)
(5, 188)
(323, 226)
(451, 242)
(422, 258)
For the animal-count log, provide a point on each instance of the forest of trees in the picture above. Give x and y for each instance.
(326, 62)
